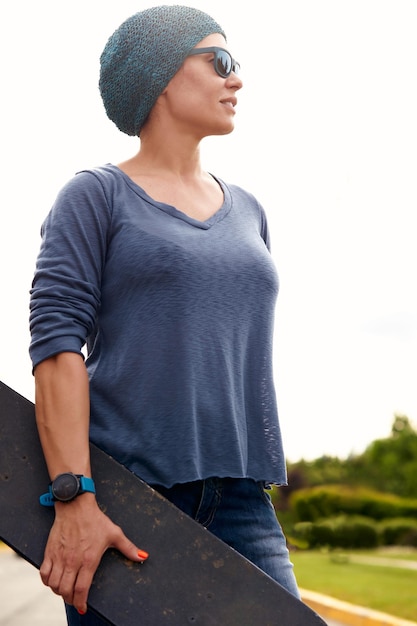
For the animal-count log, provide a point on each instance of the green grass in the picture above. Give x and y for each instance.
(388, 589)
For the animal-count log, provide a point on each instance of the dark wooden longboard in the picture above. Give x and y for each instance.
(191, 577)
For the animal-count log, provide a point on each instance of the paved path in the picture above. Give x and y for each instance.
(24, 601)
(377, 560)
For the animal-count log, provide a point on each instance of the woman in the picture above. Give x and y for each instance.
(164, 271)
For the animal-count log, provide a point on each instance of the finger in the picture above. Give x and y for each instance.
(81, 588)
(45, 570)
(51, 574)
(128, 548)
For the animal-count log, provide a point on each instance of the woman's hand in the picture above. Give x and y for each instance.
(80, 535)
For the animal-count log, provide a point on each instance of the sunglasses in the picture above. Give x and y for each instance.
(223, 62)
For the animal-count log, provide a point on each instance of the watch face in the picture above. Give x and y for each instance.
(65, 487)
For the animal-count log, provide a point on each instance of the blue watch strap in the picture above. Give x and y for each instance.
(46, 499)
(86, 486)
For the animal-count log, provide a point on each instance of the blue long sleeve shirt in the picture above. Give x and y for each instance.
(177, 316)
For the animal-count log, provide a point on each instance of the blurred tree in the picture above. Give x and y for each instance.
(391, 463)
(388, 465)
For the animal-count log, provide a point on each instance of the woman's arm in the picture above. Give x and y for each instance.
(81, 533)
(63, 413)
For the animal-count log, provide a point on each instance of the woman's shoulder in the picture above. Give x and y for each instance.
(243, 198)
(96, 184)
(248, 207)
(88, 194)
(237, 191)
(106, 176)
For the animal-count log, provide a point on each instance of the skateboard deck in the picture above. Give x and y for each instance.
(191, 577)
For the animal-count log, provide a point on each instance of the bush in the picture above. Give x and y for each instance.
(329, 501)
(302, 535)
(398, 532)
(355, 532)
(338, 532)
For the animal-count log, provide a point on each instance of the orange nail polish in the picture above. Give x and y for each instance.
(81, 612)
(142, 554)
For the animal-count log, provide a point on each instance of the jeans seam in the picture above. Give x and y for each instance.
(212, 508)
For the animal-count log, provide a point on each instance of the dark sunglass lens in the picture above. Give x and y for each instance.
(223, 63)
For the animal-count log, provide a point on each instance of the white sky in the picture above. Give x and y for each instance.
(326, 138)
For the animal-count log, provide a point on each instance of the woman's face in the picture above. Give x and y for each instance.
(197, 99)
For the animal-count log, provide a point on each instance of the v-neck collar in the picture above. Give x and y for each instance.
(172, 210)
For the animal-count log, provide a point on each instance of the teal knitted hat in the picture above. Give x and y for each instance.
(142, 56)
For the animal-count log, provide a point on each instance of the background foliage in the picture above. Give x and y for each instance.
(364, 501)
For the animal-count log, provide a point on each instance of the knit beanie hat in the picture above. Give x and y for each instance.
(142, 56)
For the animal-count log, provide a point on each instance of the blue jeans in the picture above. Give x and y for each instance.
(238, 511)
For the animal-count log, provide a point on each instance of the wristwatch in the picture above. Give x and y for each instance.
(66, 487)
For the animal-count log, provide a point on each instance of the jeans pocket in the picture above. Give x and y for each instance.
(210, 500)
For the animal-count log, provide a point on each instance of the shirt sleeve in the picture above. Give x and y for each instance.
(65, 293)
